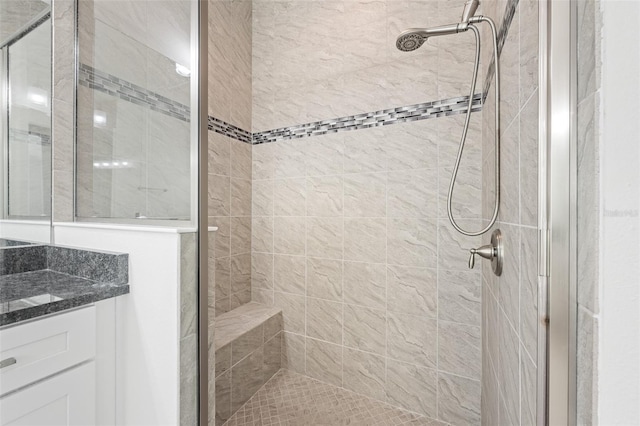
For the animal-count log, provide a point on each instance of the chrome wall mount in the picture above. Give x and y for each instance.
(493, 251)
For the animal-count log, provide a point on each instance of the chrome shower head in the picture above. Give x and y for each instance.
(410, 40)
(413, 38)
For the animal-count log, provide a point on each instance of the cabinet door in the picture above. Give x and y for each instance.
(65, 399)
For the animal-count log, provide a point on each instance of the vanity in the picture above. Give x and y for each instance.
(50, 332)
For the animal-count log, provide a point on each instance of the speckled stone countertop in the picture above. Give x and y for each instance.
(40, 280)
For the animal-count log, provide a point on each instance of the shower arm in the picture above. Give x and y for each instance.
(474, 20)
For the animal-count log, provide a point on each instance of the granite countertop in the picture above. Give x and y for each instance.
(41, 280)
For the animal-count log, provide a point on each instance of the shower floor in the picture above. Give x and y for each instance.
(295, 400)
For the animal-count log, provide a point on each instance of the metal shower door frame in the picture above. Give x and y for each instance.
(557, 213)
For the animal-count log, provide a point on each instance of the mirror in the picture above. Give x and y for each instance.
(25, 121)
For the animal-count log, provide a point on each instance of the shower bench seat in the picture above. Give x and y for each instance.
(248, 344)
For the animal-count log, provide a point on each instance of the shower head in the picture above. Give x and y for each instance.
(413, 38)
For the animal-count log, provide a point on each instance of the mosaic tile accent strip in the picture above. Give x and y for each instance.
(114, 86)
(29, 136)
(293, 399)
(229, 130)
(385, 117)
(503, 30)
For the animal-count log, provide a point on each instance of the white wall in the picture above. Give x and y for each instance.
(619, 342)
(147, 319)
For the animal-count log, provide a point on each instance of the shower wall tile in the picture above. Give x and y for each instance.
(364, 329)
(364, 373)
(289, 274)
(324, 278)
(412, 290)
(365, 209)
(413, 388)
(459, 400)
(365, 284)
(510, 317)
(324, 361)
(459, 349)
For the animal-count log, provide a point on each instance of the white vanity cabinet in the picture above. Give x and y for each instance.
(47, 374)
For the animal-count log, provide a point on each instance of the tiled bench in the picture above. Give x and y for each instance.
(248, 344)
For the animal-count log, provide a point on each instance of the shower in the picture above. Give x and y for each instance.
(413, 39)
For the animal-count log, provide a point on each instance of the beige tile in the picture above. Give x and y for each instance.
(240, 235)
(411, 242)
(411, 387)
(289, 274)
(509, 281)
(365, 284)
(324, 320)
(263, 161)
(272, 326)
(364, 373)
(529, 162)
(219, 195)
(364, 151)
(412, 290)
(289, 197)
(293, 352)
(289, 235)
(262, 234)
(240, 197)
(459, 350)
(240, 160)
(413, 193)
(297, 399)
(510, 174)
(459, 400)
(459, 297)
(223, 397)
(222, 242)
(325, 237)
(365, 195)
(262, 271)
(272, 356)
(528, 392)
(293, 311)
(262, 197)
(412, 339)
(246, 379)
(288, 158)
(365, 329)
(324, 361)
(325, 155)
(364, 240)
(324, 278)
(453, 247)
(222, 277)
(325, 196)
(246, 344)
(240, 272)
(222, 360)
(219, 154)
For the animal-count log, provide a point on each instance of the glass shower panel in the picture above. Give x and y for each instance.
(29, 129)
(134, 137)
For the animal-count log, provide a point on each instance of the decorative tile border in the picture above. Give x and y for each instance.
(229, 130)
(114, 86)
(367, 120)
(28, 136)
(503, 30)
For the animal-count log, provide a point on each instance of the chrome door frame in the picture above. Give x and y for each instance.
(200, 91)
(558, 196)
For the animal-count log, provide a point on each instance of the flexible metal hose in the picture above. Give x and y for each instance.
(463, 139)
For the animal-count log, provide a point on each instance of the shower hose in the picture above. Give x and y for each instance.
(463, 139)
